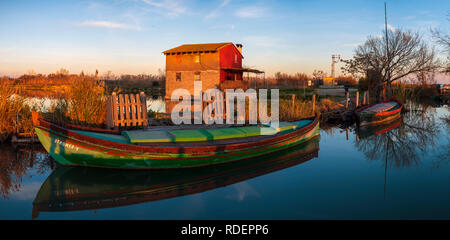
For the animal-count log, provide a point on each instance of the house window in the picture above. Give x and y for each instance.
(235, 58)
(197, 76)
(197, 58)
(178, 77)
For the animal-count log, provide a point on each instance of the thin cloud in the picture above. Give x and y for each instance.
(389, 27)
(171, 8)
(261, 41)
(351, 44)
(410, 17)
(108, 24)
(213, 13)
(250, 12)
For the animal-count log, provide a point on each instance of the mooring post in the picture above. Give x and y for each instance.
(314, 103)
(293, 101)
(365, 96)
(346, 133)
(111, 105)
(346, 100)
(357, 98)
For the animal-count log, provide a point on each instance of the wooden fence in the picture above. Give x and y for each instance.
(126, 110)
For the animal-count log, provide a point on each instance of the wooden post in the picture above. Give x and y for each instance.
(346, 100)
(143, 106)
(314, 103)
(364, 99)
(357, 98)
(293, 100)
(346, 133)
(112, 108)
(368, 97)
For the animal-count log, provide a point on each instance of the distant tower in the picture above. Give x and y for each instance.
(334, 59)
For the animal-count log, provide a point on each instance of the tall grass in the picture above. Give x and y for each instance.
(15, 115)
(291, 112)
(402, 93)
(86, 99)
(84, 103)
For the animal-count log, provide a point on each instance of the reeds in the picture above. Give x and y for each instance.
(402, 93)
(86, 100)
(15, 115)
(290, 111)
(84, 103)
(412, 92)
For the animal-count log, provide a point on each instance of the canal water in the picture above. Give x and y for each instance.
(400, 170)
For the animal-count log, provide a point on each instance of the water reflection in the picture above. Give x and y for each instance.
(74, 188)
(348, 172)
(16, 161)
(400, 143)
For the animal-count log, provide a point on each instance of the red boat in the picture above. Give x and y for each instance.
(378, 113)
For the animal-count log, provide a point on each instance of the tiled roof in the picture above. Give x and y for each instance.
(197, 47)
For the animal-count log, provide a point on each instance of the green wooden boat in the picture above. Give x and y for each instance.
(161, 149)
(74, 188)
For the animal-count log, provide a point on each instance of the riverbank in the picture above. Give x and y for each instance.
(82, 102)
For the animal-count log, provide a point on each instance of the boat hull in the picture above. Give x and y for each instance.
(69, 148)
(366, 119)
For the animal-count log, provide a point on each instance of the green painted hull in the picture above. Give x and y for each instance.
(69, 150)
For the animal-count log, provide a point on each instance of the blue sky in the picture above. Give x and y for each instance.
(128, 36)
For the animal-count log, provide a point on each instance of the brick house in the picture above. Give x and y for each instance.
(214, 64)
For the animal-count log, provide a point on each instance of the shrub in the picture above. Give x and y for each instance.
(86, 101)
(15, 115)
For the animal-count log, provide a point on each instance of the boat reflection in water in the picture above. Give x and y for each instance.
(374, 130)
(77, 188)
(401, 142)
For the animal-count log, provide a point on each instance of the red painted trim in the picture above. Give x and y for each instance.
(37, 118)
(389, 128)
(389, 113)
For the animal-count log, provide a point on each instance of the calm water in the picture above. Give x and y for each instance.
(397, 171)
(43, 104)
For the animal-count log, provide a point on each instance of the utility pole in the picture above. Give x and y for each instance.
(388, 65)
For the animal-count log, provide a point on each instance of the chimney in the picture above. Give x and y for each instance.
(239, 47)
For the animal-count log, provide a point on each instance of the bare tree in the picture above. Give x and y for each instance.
(62, 72)
(407, 54)
(319, 74)
(443, 39)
